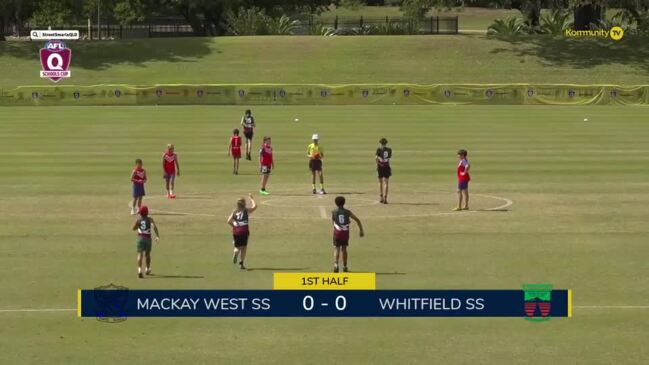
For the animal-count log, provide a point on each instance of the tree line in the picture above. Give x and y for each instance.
(208, 17)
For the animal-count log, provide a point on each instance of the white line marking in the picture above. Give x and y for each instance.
(38, 310)
(611, 306)
(323, 212)
(508, 203)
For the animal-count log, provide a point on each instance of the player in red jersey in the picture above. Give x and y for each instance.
(341, 218)
(463, 179)
(266, 164)
(238, 220)
(234, 150)
(170, 168)
(138, 177)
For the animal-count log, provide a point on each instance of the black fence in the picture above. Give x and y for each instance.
(394, 25)
(307, 26)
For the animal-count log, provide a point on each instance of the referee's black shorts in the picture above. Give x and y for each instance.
(315, 165)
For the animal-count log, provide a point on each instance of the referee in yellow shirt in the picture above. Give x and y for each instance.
(315, 153)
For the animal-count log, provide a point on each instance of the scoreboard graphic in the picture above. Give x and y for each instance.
(326, 295)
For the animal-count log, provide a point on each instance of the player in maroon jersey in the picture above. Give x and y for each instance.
(266, 164)
(170, 168)
(463, 179)
(248, 124)
(138, 177)
(143, 227)
(341, 218)
(383, 156)
(238, 220)
(234, 150)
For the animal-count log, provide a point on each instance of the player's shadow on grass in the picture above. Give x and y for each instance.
(160, 276)
(580, 53)
(277, 268)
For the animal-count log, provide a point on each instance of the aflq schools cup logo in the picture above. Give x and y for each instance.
(55, 61)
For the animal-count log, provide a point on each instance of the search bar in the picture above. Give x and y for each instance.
(54, 34)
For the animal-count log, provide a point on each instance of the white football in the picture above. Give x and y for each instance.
(585, 119)
(297, 120)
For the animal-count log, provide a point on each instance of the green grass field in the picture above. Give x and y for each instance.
(365, 59)
(577, 220)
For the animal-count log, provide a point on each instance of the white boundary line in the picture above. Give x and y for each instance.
(323, 212)
(507, 203)
(38, 310)
(611, 306)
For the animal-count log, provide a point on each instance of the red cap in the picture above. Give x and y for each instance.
(144, 210)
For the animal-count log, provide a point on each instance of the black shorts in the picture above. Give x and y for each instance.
(339, 243)
(315, 165)
(384, 171)
(240, 240)
(248, 133)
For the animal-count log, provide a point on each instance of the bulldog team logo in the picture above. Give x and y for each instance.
(55, 61)
(538, 302)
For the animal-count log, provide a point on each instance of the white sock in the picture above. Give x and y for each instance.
(139, 270)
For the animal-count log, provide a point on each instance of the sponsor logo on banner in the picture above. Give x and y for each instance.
(55, 61)
(537, 302)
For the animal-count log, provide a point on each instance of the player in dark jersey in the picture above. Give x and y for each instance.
(143, 227)
(238, 220)
(341, 218)
(248, 124)
(383, 156)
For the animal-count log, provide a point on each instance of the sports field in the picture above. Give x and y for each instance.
(554, 199)
(367, 59)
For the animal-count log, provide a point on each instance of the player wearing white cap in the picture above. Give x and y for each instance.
(314, 153)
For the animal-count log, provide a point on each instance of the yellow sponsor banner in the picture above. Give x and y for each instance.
(637, 95)
(326, 94)
(565, 94)
(324, 281)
